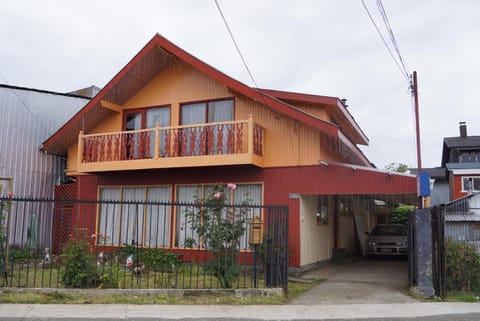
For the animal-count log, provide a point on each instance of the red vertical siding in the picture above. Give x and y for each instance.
(281, 185)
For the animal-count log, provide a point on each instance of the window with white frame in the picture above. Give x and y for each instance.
(470, 183)
(250, 193)
(126, 217)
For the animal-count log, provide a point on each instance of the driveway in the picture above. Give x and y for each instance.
(363, 281)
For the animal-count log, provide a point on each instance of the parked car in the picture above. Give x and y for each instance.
(387, 239)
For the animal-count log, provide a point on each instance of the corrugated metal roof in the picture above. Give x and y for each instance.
(462, 217)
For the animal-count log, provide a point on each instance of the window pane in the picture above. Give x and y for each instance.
(467, 184)
(158, 217)
(476, 184)
(132, 216)
(252, 194)
(159, 116)
(134, 121)
(109, 216)
(219, 111)
(193, 114)
(184, 231)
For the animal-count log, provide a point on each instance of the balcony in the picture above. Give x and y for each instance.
(212, 144)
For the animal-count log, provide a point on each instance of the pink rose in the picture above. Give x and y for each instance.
(217, 195)
(10, 194)
(231, 186)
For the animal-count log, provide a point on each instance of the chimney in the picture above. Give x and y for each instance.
(463, 129)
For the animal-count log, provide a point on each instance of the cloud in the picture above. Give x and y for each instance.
(324, 47)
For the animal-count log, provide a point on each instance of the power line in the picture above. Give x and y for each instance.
(383, 13)
(402, 70)
(235, 43)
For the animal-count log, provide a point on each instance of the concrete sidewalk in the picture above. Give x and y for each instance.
(13, 312)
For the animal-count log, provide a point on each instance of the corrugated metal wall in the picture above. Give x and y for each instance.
(28, 118)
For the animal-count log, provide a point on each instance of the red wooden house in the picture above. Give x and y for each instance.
(168, 126)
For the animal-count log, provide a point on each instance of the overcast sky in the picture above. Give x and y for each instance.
(324, 47)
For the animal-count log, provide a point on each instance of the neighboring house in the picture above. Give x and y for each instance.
(461, 157)
(459, 174)
(29, 116)
(462, 220)
(168, 126)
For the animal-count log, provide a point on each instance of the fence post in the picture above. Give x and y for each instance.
(423, 252)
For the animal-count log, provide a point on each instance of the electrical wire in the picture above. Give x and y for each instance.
(383, 13)
(236, 45)
(402, 70)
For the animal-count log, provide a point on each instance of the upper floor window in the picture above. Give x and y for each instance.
(471, 184)
(469, 157)
(207, 112)
(206, 139)
(147, 118)
(141, 144)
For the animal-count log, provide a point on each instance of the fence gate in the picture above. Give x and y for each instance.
(438, 251)
(276, 261)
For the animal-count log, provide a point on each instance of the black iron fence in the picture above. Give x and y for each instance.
(48, 243)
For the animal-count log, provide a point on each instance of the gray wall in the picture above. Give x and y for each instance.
(28, 118)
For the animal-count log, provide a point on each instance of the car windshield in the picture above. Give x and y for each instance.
(389, 230)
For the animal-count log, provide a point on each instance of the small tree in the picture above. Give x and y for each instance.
(219, 228)
(397, 167)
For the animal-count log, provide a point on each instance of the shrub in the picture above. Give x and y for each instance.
(462, 267)
(153, 258)
(79, 261)
(219, 228)
(399, 215)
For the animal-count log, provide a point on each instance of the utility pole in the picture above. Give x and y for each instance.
(423, 179)
(417, 122)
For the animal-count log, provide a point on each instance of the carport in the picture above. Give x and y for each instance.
(338, 203)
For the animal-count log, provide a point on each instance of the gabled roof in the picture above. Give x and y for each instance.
(144, 66)
(336, 107)
(449, 143)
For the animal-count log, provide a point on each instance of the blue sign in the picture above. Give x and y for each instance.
(423, 184)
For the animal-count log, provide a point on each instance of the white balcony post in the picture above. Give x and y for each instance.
(156, 152)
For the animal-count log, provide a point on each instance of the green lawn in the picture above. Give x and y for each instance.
(102, 297)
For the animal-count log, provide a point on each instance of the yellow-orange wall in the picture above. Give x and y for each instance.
(287, 142)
